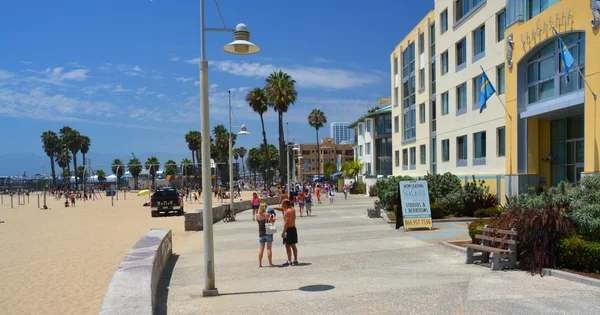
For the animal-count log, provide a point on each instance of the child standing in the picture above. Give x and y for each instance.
(308, 202)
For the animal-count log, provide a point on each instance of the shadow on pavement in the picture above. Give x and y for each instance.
(316, 288)
(296, 265)
(162, 291)
(256, 292)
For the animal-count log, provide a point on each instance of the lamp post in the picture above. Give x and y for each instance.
(240, 45)
(241, 133)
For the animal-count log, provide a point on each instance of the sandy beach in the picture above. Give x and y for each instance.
(60, 261)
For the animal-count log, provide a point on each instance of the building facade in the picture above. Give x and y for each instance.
(340, 133)
(373, 142)
(308, 160)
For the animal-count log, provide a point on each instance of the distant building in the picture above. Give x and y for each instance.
(340, 133)
(307, 167)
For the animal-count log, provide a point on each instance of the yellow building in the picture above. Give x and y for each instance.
(551, 126)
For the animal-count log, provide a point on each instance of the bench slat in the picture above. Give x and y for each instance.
(487, 248)
(496, 239)
(507, 232)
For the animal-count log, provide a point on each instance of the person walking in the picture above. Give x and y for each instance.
(318, 193)
(301, 200)
(345, 188)
(331, 195)
(262, 217)
(308, 202)
(255, 204)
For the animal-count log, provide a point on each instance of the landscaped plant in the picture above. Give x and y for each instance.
(493, 212)
(477, 196)
(578, 254)
(372, 191)
(437, 211)
(387, 190)
(358, 188)
(440, 185)
(474, 231)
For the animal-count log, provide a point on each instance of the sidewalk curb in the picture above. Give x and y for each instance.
(454, 220)
(447, 245)
(571, 277)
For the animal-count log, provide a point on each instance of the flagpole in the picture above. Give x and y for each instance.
(578, 70)
(501, 102)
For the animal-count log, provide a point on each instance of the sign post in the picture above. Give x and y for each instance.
(414, 200)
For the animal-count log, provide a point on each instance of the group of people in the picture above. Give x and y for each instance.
(72, 196)
(266, 218)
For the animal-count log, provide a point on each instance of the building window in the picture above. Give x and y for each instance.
(423, 154)
(501, 20)
(433, 112)
(476, 91)
(461, 148)
(405, 159)
(413, 156)
(445, 150)
(360, 149)
(432, 78)
(409, 119)
(479, 40)
(360, 129)
(421, 43)
(408, 60)
(368, 148)
(369, 169)
(421, 78)
(463, 7)
(368, 125)
(480, 144)
(445, 104)
(535, 7)
(444, 21)
(422, 113)
(396, 124)
(461, 97)
(432, 40)
(444, 62)
(545, 77)
(501, 84)
(461, 53)
(397, 156)
(501, 141)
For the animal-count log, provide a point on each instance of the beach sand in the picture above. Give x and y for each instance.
(61, 260)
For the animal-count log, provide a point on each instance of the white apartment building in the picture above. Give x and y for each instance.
(340, 133)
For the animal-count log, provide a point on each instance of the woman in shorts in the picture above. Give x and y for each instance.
(308, 202)
(345, 188)
(255, 204)
(262, 217)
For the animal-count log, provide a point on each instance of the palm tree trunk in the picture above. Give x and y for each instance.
(75, 168)
(265, 178)
(84, 172)
(195, 169)
(53, 171)
(318, 156)
(243, 166)
(282, 161)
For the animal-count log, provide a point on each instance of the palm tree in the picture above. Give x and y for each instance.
(188, 167)
(236, 156)
(118, 169)
(281, 93)
(220, 148)
(171, 167)
(194, 140)
(135, 168)
(101, 175)
(257, 100)
(63, 159)
(152, 165)
(242, 152)
(51, 145)
(317, 119)
(72, 140)
(352, 169)
(85, 148)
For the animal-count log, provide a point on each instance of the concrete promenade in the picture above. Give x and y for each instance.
(350, 264)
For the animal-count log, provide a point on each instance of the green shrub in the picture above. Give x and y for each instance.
(359, 189)
(440, 185)
(477, 196)
(473, 229)
(437, 211)
(387, 190)
(488, 213)
(578, 254)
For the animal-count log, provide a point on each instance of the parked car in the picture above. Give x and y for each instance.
(165, 201)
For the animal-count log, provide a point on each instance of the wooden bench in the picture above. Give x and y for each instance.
(501, 243)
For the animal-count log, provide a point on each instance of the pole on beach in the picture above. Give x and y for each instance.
(125, 194)
(38, 201)
(45, 198)
(11, 201)
(112, 200)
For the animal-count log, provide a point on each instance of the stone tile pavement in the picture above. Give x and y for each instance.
(351, 264)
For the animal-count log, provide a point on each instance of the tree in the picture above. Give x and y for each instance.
(63, 159)
(81, 172)
(51, 145)
(254, 161)
(101, 175)
(317, 119)
(85, 143)
(352, 169)
(72, 140)
(220, 148)
(257, 100)
(171, 167)
(236, 157)
(194, 141)
(328, 169)
(242, 152)
(118, 169)
(188, 167)
(281, 93)
(152, 165)
(135, 168)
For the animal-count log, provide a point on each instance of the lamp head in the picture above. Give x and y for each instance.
(244, 132)
(241, 44)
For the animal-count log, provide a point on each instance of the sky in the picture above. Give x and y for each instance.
(125, 72)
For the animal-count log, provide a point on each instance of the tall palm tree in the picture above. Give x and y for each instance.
(135, 168)
(85, 148)
(236, 156)
(220, 148)
(242, 152)
(63, 159)
(194, 140)
(72, 140)
(281, 93)
(257, 100)
(152, 165)
(317, 119)
(188, 167)
(171, 167)
(118, 169)
(51, 145)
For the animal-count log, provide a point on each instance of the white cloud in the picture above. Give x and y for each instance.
(138, 69)
(119, 88)
(322, 60)
(157, 77)
(184, 80)
(174, 58)
(57, 76)
(161, 96)
(212, 86)
(311, 77)
(91, 90)
(26, 62)
(141, 91)
(4, 75)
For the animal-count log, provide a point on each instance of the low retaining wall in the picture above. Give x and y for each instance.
(194, 220)
(132, 289)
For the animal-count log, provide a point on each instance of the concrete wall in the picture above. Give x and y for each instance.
(132, 289)
(194, 220)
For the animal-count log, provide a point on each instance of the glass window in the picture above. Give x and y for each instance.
(422, 113)
(423, 154)
(444, 62)
(432, 39)
(433, 116)
(535, 7)
(445, 104)
(369, 169)
(360, 129)
(461, 148)
(432, 78)
(461, 52)
(501, 141)
(501, 84)
(444, 21)
(405, 157)
(476, 91)
(479, 40)
(421, 43)
(421, 78)
(397, 158)
(413, 156)
(368, 125)
(445, 150)
(461, 97)
(396, 124)
(480, 144)
(368, 145)
(409, 119)
(501, 20)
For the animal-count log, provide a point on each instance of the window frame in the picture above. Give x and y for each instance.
(422, 154)
(405, 159)
(501, 142)
(461, 108)
(445, 103)
(501, 79)
(445, 150)
(500, 20)
(479, 139)
(444, 21)
(479, 47)
(444, 64)
(397, 157)
(462, 150)
(463, 55)
(413, 157)
(422, 113)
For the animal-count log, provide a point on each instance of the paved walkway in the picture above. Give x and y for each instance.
(354, 265)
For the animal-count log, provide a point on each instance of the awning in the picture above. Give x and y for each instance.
(336, 174)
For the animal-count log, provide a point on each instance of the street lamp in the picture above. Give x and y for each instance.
(241, 45)
(243, 132)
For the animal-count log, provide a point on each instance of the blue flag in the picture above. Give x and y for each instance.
(566, 59)
(487, 90)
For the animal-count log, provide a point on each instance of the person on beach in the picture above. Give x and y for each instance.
(331, 195)
(283, 196)
(72, 200)
(255, 204)
(262, 218)
(289, 234)
(308, 202)
(301, 200)
(318, 193)
(345, 188)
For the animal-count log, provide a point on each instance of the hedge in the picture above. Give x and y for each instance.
(577, 254)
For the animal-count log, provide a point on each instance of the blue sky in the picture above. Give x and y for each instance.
(123, 71)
